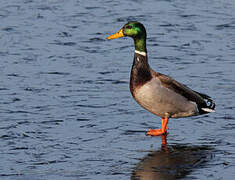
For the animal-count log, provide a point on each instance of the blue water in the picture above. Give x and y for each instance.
(65, 107)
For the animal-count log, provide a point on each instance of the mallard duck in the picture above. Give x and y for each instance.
(156, 92)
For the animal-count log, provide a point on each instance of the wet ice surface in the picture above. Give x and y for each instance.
(65, 106)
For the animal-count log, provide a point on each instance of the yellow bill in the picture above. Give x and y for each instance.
(116, 35)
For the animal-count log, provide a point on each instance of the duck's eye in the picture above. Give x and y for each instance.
(128, 27)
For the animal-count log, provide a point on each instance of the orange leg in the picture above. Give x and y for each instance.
(158, 132)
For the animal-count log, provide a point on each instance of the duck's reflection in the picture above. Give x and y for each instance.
(172, 162)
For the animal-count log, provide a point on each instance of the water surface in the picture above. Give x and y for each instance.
(65, 106)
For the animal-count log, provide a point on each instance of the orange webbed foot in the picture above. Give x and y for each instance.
(156, 132)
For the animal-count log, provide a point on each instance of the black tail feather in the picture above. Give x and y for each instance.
(209, 102)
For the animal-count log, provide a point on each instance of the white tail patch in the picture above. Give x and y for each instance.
(208, 110)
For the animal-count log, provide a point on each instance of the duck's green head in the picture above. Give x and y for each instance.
(133, 29)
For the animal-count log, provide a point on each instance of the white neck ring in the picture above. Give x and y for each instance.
(141, 53)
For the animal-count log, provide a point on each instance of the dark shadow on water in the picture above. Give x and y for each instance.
(172, 162)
